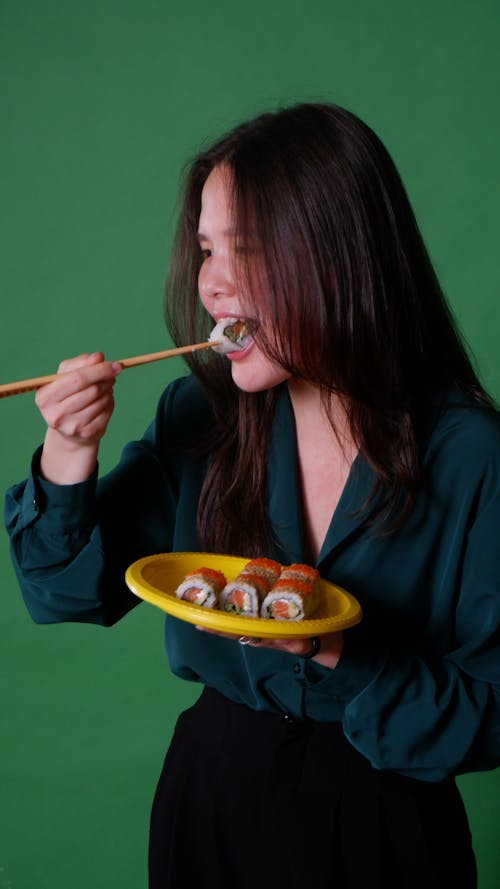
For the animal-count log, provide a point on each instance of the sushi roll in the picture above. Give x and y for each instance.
(294, 596)
(266, 568)
(234, 334)
(202, 587)
(245, 593)
(298, 571)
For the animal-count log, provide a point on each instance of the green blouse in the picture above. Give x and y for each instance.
(417, 688)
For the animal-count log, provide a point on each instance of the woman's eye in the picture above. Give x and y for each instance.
(206, 252)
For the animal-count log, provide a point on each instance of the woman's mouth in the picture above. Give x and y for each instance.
(241, 353)
(233, 336)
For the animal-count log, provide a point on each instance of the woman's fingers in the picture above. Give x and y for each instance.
(331, 645)
(80, 402)
(76, 374)
(86, 421)
(235, 636)
(294, 646)
(86, 358)
(74, 399)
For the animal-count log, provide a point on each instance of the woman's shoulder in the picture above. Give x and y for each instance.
(464, 434)
(464, 421)
(184, 410)
(183, 395)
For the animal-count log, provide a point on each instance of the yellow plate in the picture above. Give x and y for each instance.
(155, 579)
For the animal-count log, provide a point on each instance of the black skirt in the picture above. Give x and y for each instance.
(250, 800)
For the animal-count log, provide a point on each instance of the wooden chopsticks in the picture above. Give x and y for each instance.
(21, 386)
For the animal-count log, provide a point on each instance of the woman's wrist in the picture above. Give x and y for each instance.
(64, 463)
(330, 650)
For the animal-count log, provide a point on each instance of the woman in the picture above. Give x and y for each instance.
(352, 433)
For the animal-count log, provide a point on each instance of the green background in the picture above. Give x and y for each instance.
(101, 105)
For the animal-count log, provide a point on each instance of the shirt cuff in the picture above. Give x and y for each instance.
(354, 671)
(67, 509)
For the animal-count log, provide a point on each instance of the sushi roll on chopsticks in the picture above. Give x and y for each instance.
(294, 595)
(246, 592)
(202, 587)
(234, 334)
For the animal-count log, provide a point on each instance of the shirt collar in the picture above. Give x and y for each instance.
(284, 497)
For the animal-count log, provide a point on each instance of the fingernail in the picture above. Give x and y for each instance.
(116, 367)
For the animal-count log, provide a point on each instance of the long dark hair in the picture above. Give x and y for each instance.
(345, 295)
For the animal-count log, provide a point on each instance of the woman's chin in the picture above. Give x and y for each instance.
(253, 376)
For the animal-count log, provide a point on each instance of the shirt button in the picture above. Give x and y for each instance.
(297, 668)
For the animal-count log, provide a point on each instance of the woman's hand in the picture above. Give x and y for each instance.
(328, 655)
(77, 408)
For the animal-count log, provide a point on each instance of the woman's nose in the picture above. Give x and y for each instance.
(215, 278)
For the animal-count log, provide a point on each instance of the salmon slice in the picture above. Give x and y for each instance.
(237, 598)
(280, 609)
(192, 594)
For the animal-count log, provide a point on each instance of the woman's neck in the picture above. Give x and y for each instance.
(310, 409)
(325, 453)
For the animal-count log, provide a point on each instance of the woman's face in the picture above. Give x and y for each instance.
(252, 370)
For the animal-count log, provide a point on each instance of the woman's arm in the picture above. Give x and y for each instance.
(71, 543)
(422, 711)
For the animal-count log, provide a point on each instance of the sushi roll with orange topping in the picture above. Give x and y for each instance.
(294, 596)
(300, 572)
(202, 587)
(244, 594)
(266, 568)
